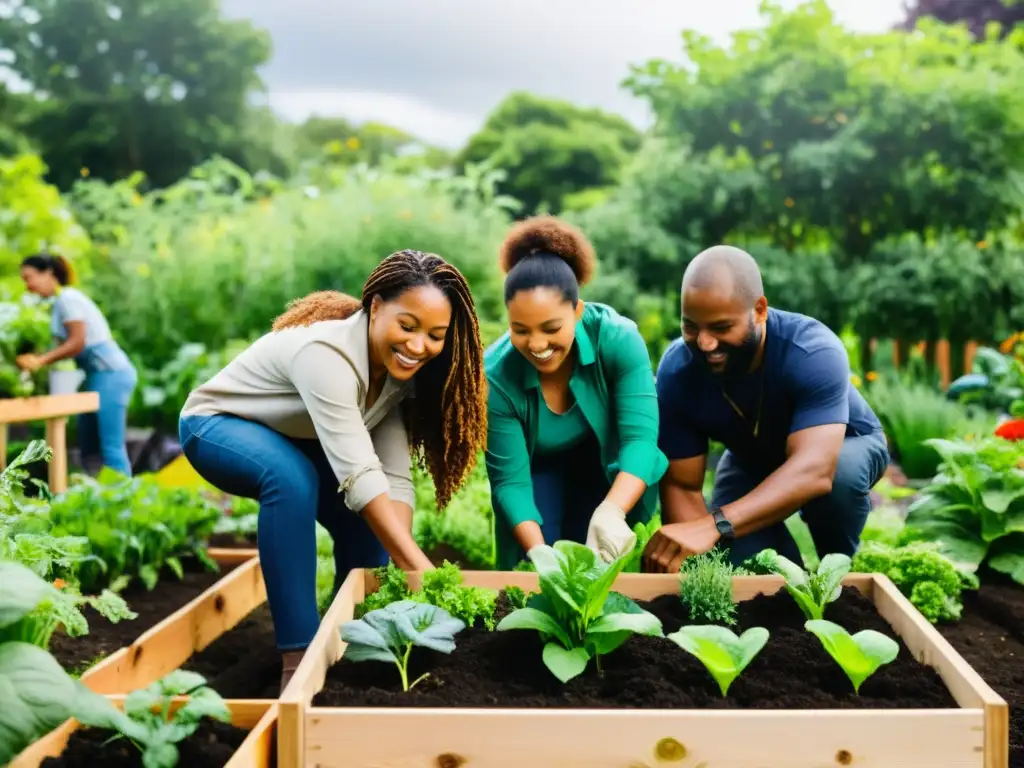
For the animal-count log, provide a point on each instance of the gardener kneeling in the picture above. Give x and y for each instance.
(774, 388)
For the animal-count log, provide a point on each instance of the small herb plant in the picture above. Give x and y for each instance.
(859, 655)
(706, 587)
(389, 634)
(150, 725)
(442, 587)
(517, 596)
(811, 591)
(719, 649)
(576, 613)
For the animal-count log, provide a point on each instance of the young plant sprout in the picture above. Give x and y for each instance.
(389, 634)
(719, 649)
(859, 655)
(812, 592)
(576, 613)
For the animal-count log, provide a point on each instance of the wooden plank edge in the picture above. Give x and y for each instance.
(245, 713)
(232, 598)
(257, 751)
(324, 650)
(232, 555)
(16, 410)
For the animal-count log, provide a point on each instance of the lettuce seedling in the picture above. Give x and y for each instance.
(442, 587)
(389, 634)
(576, 613)
(812, 592)
(719, 649)
(859, 655)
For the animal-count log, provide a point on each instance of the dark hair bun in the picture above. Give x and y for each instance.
(547, 234)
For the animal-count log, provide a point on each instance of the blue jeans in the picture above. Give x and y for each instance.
(103, 432)
(835, 519)
(296, 487)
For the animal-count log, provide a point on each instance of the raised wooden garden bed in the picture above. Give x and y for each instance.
(256, 749)
(653, 704)
(233, 555)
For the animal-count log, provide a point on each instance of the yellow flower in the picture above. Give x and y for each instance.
(856, 380)
(982, 244)
(1007, 346)
(872, 375)
(789, 202)
(352, 143)
(85, 173)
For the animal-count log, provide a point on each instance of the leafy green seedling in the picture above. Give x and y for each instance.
(150, 724)
(576, 613)
(516, 596)
(719, 649)
(389, 634)
(859, 655)
(812, 592)
(442, 587)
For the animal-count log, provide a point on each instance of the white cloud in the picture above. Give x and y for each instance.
(436, 67)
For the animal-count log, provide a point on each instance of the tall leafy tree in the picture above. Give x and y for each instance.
(551, 148)
(129, 85)
(976, 14)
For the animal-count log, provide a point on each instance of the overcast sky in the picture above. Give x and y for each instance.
(437, 67)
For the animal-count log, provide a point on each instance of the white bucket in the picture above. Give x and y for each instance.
(66, 382)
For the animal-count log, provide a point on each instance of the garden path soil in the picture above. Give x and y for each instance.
(243, 663)
(990, 637)
(504, 669)
(170, 594)
(231, 541)
(211, 746)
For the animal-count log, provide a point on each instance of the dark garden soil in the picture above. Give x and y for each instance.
(504, 669)
(243, 663)
(231, 541)
(990, 637)
(211, 746)
(443, 552)
(170, 594)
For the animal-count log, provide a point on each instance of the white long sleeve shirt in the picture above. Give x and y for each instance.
(311, 382)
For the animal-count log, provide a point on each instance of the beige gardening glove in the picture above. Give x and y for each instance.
(609, 535)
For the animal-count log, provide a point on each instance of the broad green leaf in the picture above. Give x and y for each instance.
(826, 580)
(859, 655)
(565, 664)
(531, 618)
(720, 650)
(37, 695)
(204, 703)
(20, 592)
(365, 643)
(1007, 556)
(637, 623)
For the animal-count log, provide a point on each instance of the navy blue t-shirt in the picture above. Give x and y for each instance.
(806, 383)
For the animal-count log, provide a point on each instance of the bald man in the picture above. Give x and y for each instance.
(774, 387)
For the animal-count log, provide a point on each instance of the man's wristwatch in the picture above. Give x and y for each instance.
(724, 527)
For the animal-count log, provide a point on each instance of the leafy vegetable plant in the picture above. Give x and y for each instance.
(706, 587)
(149, 722)
(859, 655)
(576, 613)
(37, 694)
(974, 507)
(811, 591)
(389, 634)
(643, 532)
(442, 587)
(922, 573)
(719, 649)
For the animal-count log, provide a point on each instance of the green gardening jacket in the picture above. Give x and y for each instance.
(613, 383)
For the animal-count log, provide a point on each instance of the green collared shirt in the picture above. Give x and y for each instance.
(613, 386)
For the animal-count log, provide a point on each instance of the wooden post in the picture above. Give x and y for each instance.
(942, 363)
(53, 411)
(57, 439)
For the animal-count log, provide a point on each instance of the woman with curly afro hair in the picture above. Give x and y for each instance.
(319, 420)
(572, 446)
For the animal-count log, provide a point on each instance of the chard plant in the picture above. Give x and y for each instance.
(859, 655)
(149, 722)
(720, 650)
(391, 632)
(575, 612)
(811, 591)
(706, 587)
(37, 694)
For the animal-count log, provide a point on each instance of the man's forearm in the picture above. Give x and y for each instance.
(799, 480)
(680, 505)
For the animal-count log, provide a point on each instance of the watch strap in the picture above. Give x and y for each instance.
(724, 527)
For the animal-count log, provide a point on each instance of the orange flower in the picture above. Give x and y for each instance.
(1011, 430)
(59, 583)
(1007, 346)
(872, 375)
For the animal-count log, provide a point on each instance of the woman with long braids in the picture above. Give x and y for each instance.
(572, 451)
(319, 419)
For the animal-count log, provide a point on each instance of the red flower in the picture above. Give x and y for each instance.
(1011, 430)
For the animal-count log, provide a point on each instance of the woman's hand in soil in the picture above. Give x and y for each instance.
(673, 543)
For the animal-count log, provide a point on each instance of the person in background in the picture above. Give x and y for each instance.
(572, 410)
(774, 387)
(82, 334)
(318, 418)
